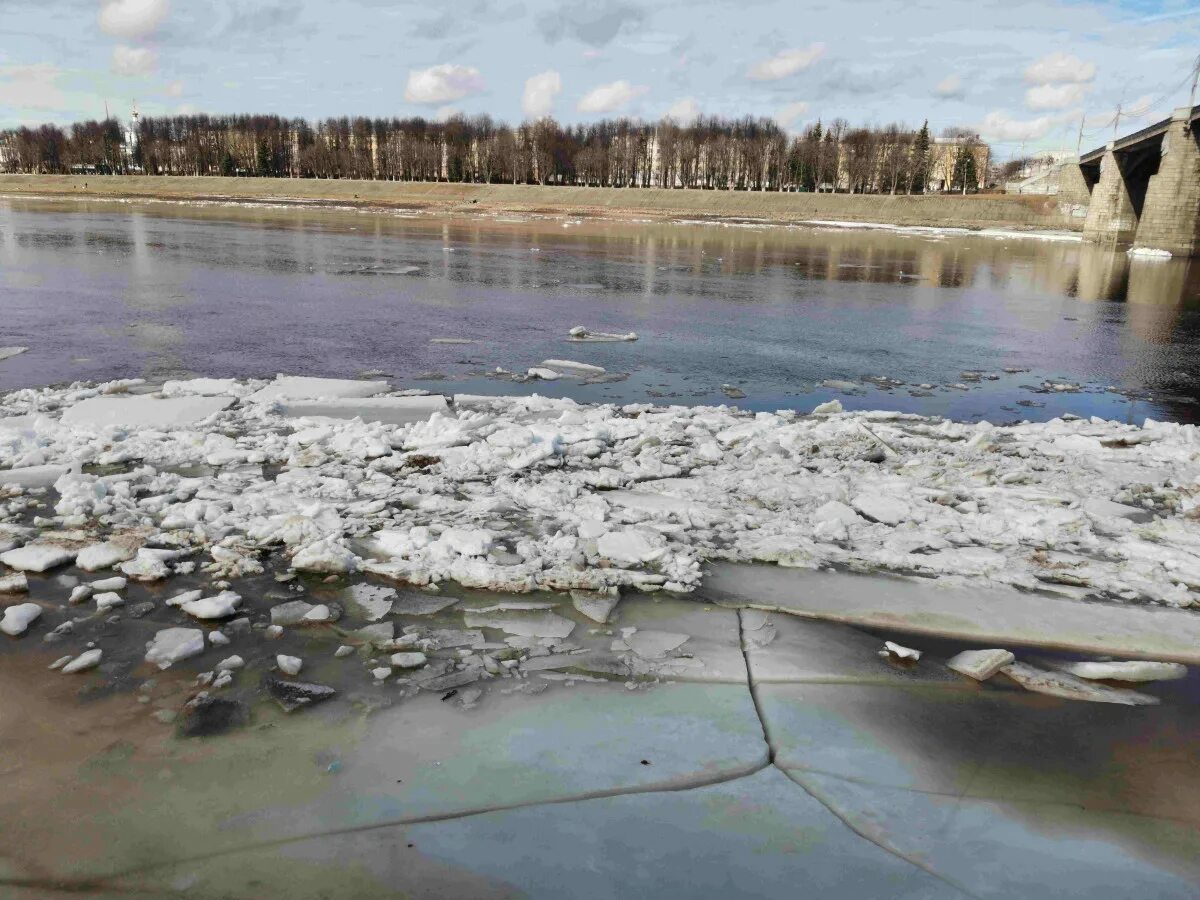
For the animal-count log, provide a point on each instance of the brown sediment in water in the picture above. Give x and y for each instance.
(756, 207)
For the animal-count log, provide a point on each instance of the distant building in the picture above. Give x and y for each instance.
(129, 145)
(943, 156)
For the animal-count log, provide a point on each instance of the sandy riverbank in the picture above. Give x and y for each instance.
(986, 211)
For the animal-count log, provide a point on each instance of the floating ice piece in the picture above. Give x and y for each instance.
(1132, 670)
(596, 605)
(375, 601)
(291, 613)
(14, 583)
(980, 664)
(173, 644)
(571, 367)
(828, 408)
(1100, 508)
(648, 643)
(289, 665)
(408, 660)
(104, 556)
(846, 387)
(18, 618)
(305, 388)
(630, 546)
(543, 373)
(32, 476)
(524, 624)
(230, 663)
(1136, 253)
(116, 583)
(37, 557)
(581, 334)
(148, 565)
(218, 638)
(318, 613)
(108, 600)
(221, 606)
(142, 412)
(10, 352)
(80, 593)
(891, 648)
(1060, 684)
(327, 555)
(387, 410)
(88, 659)
(452, 340)
(185, 597)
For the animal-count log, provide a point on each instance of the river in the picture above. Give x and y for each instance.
(942, 323)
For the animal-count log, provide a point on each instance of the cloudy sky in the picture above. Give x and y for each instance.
(1022, 72)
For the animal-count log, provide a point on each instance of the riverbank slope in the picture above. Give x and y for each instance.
(980, 211)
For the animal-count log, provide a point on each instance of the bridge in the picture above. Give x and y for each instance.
(1144, 188)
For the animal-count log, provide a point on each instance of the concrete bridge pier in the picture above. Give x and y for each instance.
(1111, 216)
(1170, 217)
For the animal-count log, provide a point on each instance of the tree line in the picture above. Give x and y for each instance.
(709, 153)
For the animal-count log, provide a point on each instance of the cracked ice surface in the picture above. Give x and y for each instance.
(520, 494)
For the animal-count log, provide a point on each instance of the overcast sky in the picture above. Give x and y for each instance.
(1022, 72)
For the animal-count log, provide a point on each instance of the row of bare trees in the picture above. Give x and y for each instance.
(709, 153)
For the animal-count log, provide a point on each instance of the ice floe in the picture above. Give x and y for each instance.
(529, 493)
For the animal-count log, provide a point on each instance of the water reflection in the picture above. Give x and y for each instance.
(169, 289)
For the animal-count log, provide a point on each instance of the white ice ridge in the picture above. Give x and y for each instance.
(523, 493)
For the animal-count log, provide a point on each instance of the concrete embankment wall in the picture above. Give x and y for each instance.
(979, 211)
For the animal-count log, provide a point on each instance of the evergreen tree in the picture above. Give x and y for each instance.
(920, 161)
(966, 177)
(227, 166)
(264, 159)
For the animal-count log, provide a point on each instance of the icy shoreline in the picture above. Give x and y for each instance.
(526, 493)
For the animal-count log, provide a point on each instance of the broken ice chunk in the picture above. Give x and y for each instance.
(882, 508)
(525, 624)
(109, 584)
(289, 665)
(596, 605)
(648, 643)
(375, 601)
(219, 607)
(87, 660)
(890, 648)
(173, 644)
(14, 583)
(103, 556)
(37, 557)
(18, 618)
(408, 660)
(630, 546)
(142, 412)
(1133, 670)
(307, 388)
(146, 566)
(1060, 684)
(980, 664)
(108, 600)
(230, 662)
(571, 367)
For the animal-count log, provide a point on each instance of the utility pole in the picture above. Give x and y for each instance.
(1079, 140)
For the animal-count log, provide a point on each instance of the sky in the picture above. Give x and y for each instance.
(1020, 72)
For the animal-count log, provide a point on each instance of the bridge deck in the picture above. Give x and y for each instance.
(1132, 140)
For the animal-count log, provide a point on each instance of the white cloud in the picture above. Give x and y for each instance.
(133, 60)
(999, 126)
(684, 111)
(950, 86)
(1055, 96)
(785, 63)
(31, 87)
(789, 115)
(538, 99)
(132, 18)
(442, 84)
(1060, 67)
(611, 97)
(174, 89)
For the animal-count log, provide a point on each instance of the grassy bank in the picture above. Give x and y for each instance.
(981, 211)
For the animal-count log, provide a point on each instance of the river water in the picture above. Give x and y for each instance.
(102, 290)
